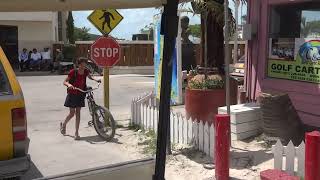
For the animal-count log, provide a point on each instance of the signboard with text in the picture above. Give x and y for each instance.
(105, 52)
(295, 59)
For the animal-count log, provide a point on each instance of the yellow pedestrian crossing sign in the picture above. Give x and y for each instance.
(105, 20)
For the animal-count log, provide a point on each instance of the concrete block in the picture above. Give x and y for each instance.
(242, 113)
(245, 127)
(244, 135)
(245, 120)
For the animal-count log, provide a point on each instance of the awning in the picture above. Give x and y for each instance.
(67, 5)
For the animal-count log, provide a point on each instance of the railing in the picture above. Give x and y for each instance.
(291, 154)
(140, 53)
(133, 53)
(199, 135)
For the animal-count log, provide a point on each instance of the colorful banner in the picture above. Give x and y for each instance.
(304, 67)
(176, 85)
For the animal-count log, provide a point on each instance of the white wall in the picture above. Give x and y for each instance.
(26, 16)
(54, 20)
(33, 34)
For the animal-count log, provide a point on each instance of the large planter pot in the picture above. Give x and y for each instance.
(202, 105)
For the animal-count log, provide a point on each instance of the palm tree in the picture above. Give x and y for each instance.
(212, 32)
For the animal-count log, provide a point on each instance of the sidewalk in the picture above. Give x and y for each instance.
(117, 70)
(247, 159)
(35, 73)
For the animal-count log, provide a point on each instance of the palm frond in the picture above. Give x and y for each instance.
(216, 10)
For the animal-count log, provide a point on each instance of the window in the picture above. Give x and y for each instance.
(5, 88)
(294, 42)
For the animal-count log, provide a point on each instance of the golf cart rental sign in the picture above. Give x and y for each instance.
(304, 67)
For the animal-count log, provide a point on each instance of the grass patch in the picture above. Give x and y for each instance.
(148, 139)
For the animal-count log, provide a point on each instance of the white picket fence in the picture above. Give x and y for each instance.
(145, 113)
(294, 158)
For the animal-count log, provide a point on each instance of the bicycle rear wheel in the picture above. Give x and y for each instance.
(104, 123)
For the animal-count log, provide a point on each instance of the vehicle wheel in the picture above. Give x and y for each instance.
(104, 123)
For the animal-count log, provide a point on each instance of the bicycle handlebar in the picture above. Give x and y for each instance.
(90, 90)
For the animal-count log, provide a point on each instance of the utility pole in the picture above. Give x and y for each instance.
(235, 52)
(169, 28)
(226, 54)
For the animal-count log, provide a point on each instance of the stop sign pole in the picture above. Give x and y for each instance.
(106, 82)
(105, 52)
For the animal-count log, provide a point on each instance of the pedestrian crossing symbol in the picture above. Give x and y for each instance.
(105, 20)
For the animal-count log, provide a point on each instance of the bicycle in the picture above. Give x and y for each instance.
(93, 67)
(102, 119)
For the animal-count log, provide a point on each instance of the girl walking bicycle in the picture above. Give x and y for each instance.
(75, 99)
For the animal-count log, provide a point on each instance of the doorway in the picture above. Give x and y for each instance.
(9, 43)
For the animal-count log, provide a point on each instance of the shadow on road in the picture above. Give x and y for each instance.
(195, 155)
(233, 178)
(246, 158)
(33, 173)
(97, 140)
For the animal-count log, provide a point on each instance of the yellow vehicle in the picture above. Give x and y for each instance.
(14, 142)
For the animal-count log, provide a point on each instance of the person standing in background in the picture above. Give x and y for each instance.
(23, 59)
(46, 59)
(36, 59)
(29, 61)
(57, 60)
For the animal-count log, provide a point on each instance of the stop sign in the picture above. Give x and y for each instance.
(105, 52)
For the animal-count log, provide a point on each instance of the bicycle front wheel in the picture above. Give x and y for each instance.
(104, 123)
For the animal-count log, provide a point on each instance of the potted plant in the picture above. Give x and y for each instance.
(204, 94)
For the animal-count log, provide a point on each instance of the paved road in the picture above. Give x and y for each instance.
(52, 153)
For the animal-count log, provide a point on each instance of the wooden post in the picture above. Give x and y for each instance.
(235, 45)
(227, 57)
(312, 164)
(222, 147)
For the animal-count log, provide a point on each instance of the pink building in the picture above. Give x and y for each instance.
(284, 53)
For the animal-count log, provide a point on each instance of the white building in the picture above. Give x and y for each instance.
(30, 30)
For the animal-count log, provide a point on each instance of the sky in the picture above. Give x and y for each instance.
(134, 20)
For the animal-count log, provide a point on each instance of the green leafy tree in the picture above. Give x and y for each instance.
(148, 29)
(82, 34)
(195, 30)
(309, 28)
(70, 28)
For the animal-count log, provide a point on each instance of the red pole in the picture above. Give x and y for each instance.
(222, 146)
(312, 162)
